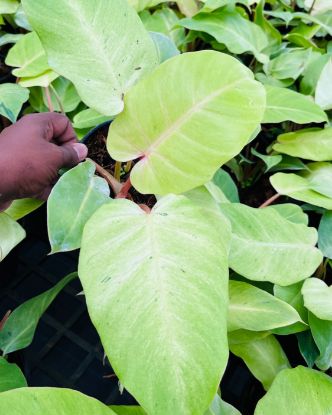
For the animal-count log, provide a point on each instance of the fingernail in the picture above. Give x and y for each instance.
(81, 150)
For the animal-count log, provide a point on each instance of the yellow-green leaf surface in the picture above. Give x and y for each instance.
(323, 94)
(318, 298)
(45, 79)
(11, 376)
(28, 56)
(8, 6)
(76, 196)
(312, 186)
(264, 357)
(99, 45)
(156, 286)
(50, 401)
(185, 128)
(267, 247)
(228, 27)
(282, 104)
(20, 326)
(254, 309)
(11, 234)
(12, 97)
(22, 207)
(299, 391)
(309, 144)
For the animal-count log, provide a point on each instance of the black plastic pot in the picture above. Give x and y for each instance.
(66, 350)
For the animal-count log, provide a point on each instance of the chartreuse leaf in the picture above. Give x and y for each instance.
(283, 104)
(318, 298)
(50, 401)
(163, 305)
(8, 6)
(228, 27)
(140, 5)
(264, 357)
(127, 410)
(310, 144)
(220, 407)
(323, 94)
(267, 247)
(322, 333)
(325, 234)
(254, 309)
(11, 376)
(299, 391)
(20, 327)
(11, 234)
(88, 118)
(45, 79)
(291, 212)
(99, 45)
(312, 185)
(80, 193)
(22, 207)
(28, 56)
(206, 91)
(12, 97)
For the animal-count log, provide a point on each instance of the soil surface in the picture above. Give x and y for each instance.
(98, 153)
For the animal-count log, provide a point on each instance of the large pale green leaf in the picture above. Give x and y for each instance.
(127, 410)
(20, 327)
(310, 144)
(185, 128)
(325, 234)
(323, 94)
(8, 6)
(156, 290)
(12, 97)
(11, 234)
(254, 309)
(100, 45)
(283, 104)
(22, 207)
(290, 64)
(11, 376)
(73, 200)
(228, 27)
(322, 333)
(220, 407)
(299, 391)
(264, 357)
(267, 247)
(28, 56)
(312, 185)
(144, 4)
(88, 118)
(291, 212)
(293, 296)
(50, 401)
(318, 298)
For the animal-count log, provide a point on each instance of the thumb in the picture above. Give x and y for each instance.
(72, 154)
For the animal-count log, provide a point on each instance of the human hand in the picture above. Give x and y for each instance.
(32, 151)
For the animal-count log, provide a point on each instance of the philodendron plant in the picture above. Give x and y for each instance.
(156, 278)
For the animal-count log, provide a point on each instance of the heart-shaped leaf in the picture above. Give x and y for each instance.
(318, 298)
(299, 391)
(79, 193)
(50, 401)
(267, 247)
(11, 234)
(185, 128)
(12, 97)
(310, 144)
(156, 290)
(99, 45)
(254, 309)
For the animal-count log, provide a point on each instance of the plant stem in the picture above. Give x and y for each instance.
(124, 189)
(117, 170)
(49, 99)
(128, 166)
(312, 6)
(58, 99)
(114, 184)
(271, 200)
(145, 208)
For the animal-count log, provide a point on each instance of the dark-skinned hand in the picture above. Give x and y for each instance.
(32, 152)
